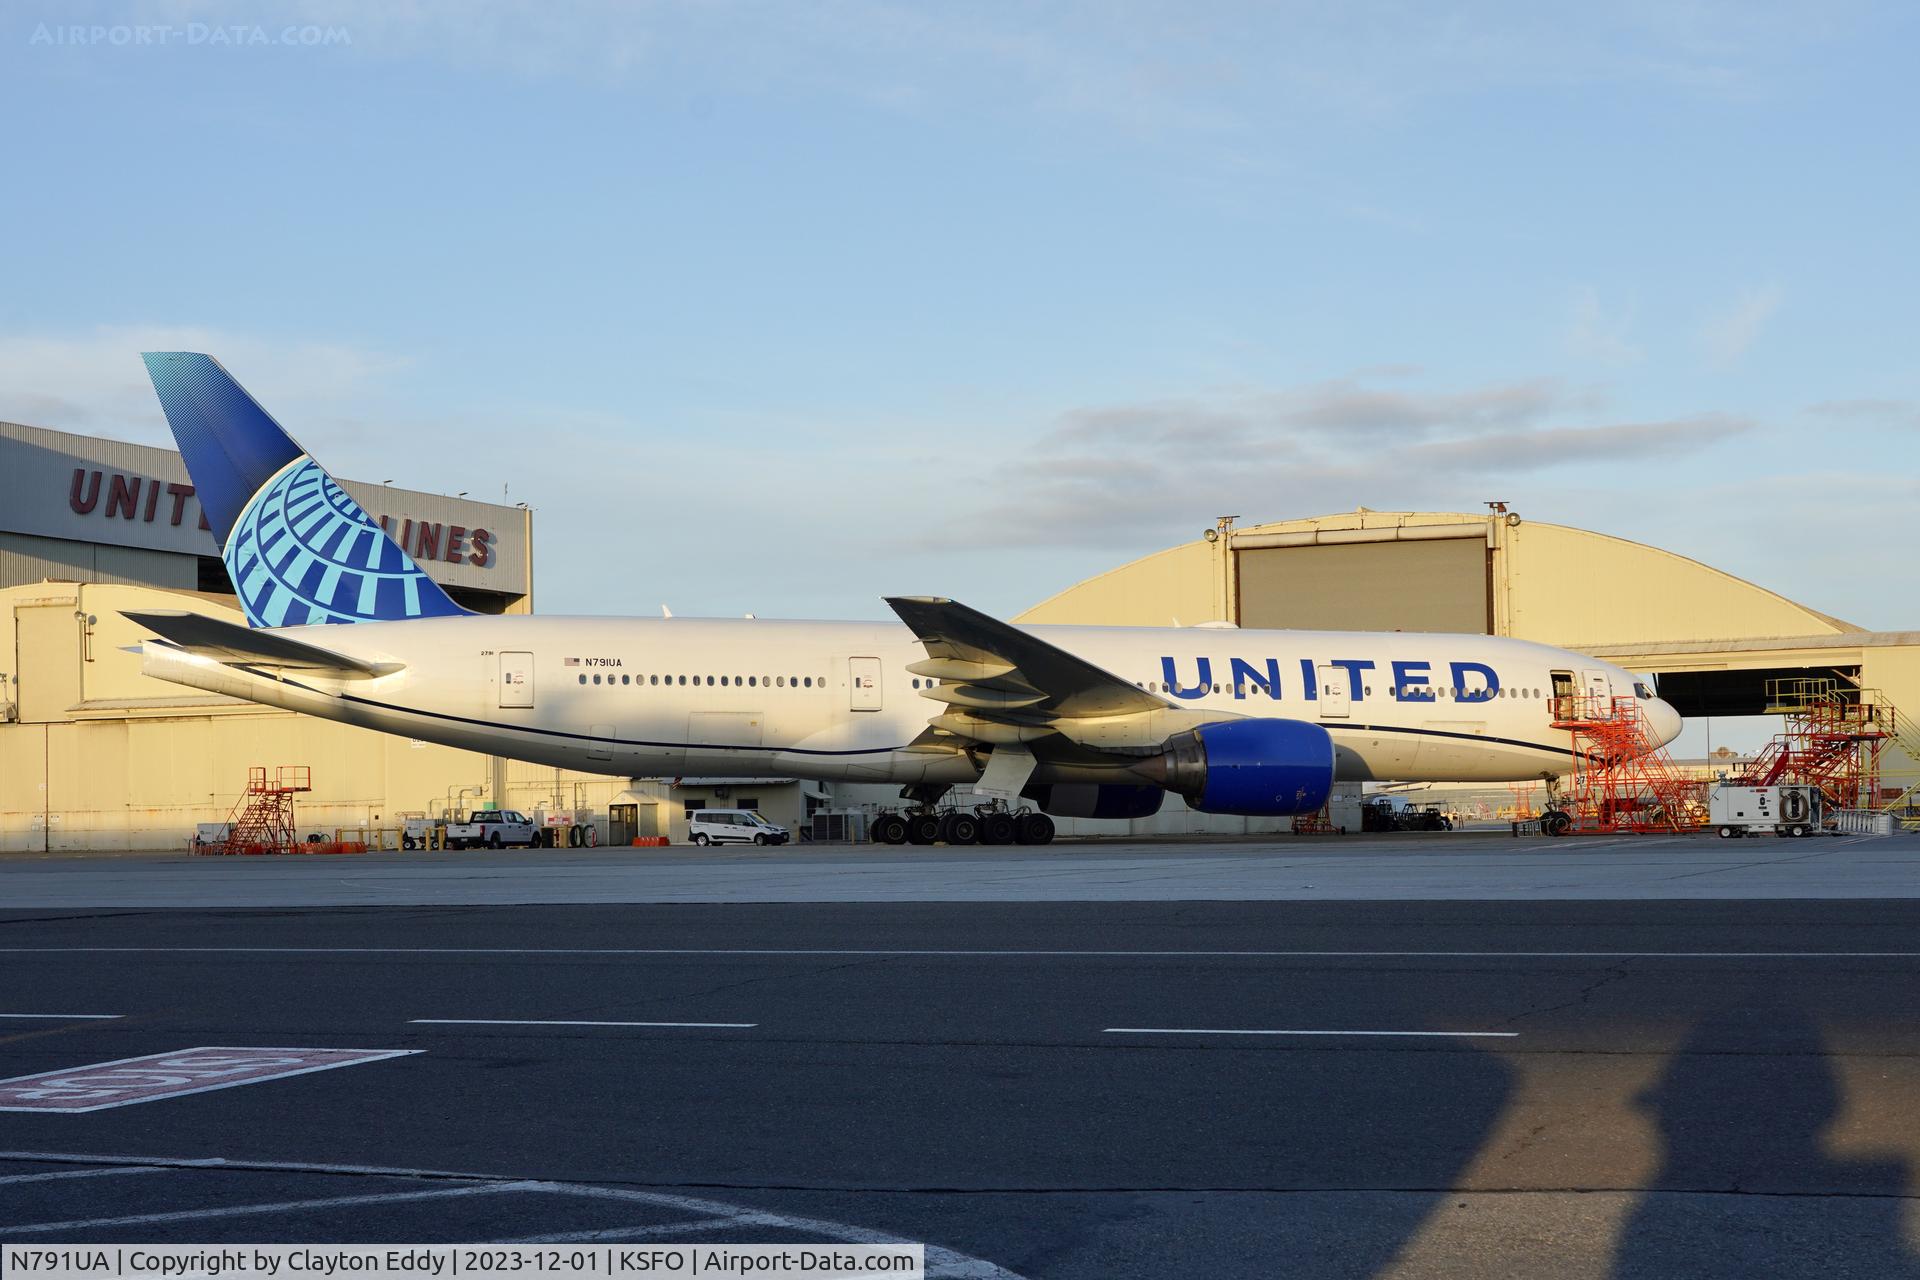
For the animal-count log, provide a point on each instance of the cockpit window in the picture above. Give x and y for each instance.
(1642, 689)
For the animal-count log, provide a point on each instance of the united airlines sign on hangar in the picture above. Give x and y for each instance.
(54, 484)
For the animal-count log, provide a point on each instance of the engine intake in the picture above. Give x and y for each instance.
(1257, 768)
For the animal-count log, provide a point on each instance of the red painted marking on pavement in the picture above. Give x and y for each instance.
(171, 1075)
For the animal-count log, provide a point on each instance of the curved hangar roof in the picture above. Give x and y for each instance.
(1437, 571)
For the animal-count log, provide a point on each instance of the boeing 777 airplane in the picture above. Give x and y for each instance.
(1096, 722)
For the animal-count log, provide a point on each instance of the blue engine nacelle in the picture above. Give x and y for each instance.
(1259, 768)
(1095, 799)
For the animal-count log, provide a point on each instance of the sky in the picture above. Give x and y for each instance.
(781, 308)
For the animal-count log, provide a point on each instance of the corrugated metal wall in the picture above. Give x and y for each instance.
(25, 558)
(1438, 585)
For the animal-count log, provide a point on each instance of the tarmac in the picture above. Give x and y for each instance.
(1394, 1058)
(1452, 866)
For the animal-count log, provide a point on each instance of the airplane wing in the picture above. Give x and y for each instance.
(243, 646)
(1002, 685)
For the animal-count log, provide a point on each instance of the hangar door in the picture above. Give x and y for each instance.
(47, 640)
(1438, 584)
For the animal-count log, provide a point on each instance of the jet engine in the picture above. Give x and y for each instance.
(1255, 767)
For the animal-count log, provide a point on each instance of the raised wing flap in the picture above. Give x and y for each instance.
(1000, 671)
(225, 642)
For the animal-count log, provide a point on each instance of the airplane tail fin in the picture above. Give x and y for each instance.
(298, 548)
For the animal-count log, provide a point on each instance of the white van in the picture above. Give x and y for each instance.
(733, 826)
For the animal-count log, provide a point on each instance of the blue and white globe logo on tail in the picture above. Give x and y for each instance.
(304, 552)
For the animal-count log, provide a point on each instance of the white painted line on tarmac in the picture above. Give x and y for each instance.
(284, 1206)
(942, 1263)
(958, 951)
(66, 1017)
(177, 1074)
(63, 1174)
(563, 1022)
(1241, 1031)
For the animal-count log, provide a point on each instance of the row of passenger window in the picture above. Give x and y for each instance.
(738, 682)
(1409, 692)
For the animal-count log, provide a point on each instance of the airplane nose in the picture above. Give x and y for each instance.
(1665, 722)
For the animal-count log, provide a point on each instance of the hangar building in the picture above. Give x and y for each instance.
(1712, 640)
(95, 755)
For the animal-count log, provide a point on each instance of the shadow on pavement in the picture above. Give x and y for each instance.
(1744, 1110)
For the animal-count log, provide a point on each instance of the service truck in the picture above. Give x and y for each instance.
(495, 828)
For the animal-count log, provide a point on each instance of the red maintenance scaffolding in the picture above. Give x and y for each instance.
(1834, 737)
(262, 819)
(1623, 779)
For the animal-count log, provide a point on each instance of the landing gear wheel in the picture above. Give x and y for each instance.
(1033, 828)
(890, 828)
(923, 828)
(960, 828)
(997, 828)
(1555, 823)
(700, 838)
(1728, 833)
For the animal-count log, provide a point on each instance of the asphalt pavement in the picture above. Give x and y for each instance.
(1460, 865)
(1041, 1089)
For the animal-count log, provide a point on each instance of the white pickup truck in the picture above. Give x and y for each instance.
(495, 828)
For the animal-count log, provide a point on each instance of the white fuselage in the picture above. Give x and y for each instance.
(836, 701)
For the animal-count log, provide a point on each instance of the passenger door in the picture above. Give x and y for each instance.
(516, 679)
(863, 684)
(1336, 693)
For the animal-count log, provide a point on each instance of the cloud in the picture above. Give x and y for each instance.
(1598, 335)
(1126, 475)
(1874, 413)
(1342, 406)
(95, 381)
(1145, 67)
(1555, 446)
(1728, 335)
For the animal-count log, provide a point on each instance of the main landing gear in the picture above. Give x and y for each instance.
(923, 822)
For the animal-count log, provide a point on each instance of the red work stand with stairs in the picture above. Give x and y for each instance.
(1623, 779)
(1834, 737)
(262, 819)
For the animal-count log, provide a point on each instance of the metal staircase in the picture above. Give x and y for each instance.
(1623, 779)
(1837, 736)
(262, 819)
(1904, 803)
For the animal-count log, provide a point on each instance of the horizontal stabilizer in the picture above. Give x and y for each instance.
(225, 642)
